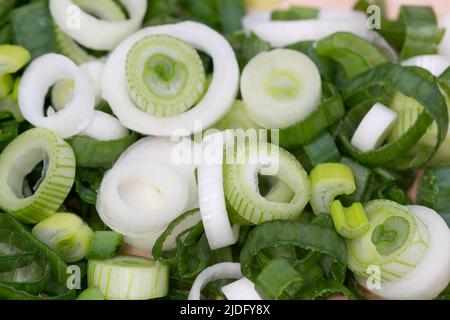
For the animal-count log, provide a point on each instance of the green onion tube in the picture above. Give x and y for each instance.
(66, 234)
(214, 104)
(280, 88)
(129, 278)
(245, 203)
(349, 222)
(37, 80)
(95, 33)
(224, 270)
(426, 269)
(104, 245)
(242, 289)
(12, 59)
(19, 158)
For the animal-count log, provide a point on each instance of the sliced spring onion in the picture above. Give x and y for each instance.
(104, 245)
(212, 203)
(66, 234)
(105, 9)
(224, 270)
(431, 274)
(104, 127)
(129, 278)
(12, 58)
(165, 75)
(95, 33)
(19, 158)
(214, 104)
(374, 128)
(329, 180)
(37, 80)
(436, 64)
(91, 294)
(246, 204)
(181, 157)
(396, 242)
(349, 222)
(280, 88)
(355, 54)
(242, 289)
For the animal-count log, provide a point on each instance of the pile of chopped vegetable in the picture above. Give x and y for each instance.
(190, 149)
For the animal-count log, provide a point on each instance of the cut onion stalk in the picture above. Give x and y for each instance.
(410, 245)
(129, 278)
(225, 270)
(242, 289)
(19, 158)
(280, 88)
(38, 79)
(92, 32)
(374, 128)
(212, 106)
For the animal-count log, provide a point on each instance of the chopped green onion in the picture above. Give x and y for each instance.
(129, 278)
(105, 9)
(295, 13)
(19, 158)
(91, 294)
(104, 245)
(242, 289)
(280, 88)
(236, 118)
(70, 48)
(329, 180)
(349, 222)
(12, 58)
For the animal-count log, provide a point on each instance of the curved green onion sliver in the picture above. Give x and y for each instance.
(386, 80)
(328, 113)
(6, 85)
(224, 270)
(91, 294)
(134, 190)
(12, 58)
(94, 33)
(246, 204)
(213, 106)
(279, 192)
(129, 278)
(432, 274)
(272, 234)
(66, 234)
(19, 158)
(355, 54)
(91, 153)
(280, 88)
(242, 289)
(396, 242)
(349, 222)
(104, 9)
(165, 75)
(42, 73)
(70, 48)
(329, 180)
(104, 245)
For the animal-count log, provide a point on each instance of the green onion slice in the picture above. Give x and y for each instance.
(242, 289)
(91, 294)
(19, 158)
(12, 59)
(104, 245)
(129, 278)
(349, 222)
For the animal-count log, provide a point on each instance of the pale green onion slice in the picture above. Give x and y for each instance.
(436, 64)
(328, 180)
(374, 128)
(62, 92)
(104, 127)
(129, 278)
(242, 289)
(236, 118)
(12, 58)
(280, 88)
(224, 270)
(19, 158)
(39, 78)
(165, 75)
(431, 274)
(182, 157)
(66, 234)
(104, 9)
(92, 32)
(218, 229)
(91, 294)
(444, 48)
(246, 204)
(349, 222)
(396, 242)
(212, 106)
(137, 197)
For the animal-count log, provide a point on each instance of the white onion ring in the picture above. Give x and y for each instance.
(94, 33)
(432, 275)
(214, 105)
(94, 70)
(135, 220)
(436, 64)
(224, 270)
(39, 77)
(104, 127)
